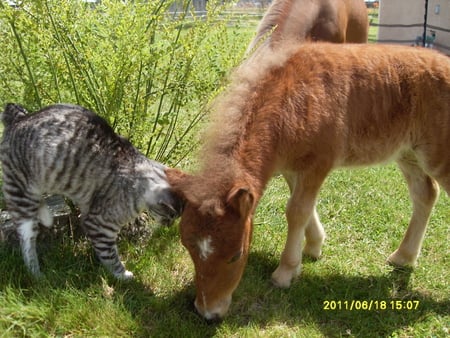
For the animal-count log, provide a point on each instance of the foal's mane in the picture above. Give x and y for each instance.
(232, 112)
(232, 115)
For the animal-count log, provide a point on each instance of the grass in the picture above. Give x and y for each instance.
(365, 213)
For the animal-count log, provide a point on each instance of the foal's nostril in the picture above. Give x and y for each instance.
(210, 318)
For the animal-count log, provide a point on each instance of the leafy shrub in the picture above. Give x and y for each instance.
(148, 70)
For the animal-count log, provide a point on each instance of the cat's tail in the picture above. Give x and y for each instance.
(12, 114)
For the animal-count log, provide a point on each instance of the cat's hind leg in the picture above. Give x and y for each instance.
(24, 210)
(44, 215)
(27, 230)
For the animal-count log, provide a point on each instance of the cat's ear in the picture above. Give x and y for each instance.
(13, 112)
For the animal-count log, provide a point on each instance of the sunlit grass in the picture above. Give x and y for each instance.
(365, 213)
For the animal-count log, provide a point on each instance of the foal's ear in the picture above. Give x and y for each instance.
(178, 180)
(186, 187)
(175, 175)
(242, 200)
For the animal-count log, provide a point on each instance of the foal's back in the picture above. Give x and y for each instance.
(360, 104)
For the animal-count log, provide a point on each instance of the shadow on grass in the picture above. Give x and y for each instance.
(326, 301)
(61, 265)
(256, 302)
(259, 305)
(67, 257)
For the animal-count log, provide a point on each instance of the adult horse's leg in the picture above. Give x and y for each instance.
(300, 214)
(423, 191)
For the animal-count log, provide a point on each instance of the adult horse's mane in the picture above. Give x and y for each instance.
(279, 16)
(288, 21)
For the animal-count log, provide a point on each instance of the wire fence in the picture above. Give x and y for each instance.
(430, 39)
(252, 16)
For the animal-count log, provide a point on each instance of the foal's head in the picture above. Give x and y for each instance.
(216, 228)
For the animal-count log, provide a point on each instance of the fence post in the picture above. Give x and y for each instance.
(425, 19)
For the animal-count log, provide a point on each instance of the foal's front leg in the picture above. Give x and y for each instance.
(314, 235)
(302, 218)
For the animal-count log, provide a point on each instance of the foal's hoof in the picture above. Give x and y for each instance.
(312, 252)
(280, 284)
(35, 271)
(398, 259)
(282, 278)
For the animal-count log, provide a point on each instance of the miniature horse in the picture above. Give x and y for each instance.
(301, 20)
(316, 107)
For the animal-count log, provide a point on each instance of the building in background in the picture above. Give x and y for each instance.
(402, 21)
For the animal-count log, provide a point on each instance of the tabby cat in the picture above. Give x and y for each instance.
(69, 150)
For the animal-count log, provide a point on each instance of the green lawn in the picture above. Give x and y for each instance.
(365, 213)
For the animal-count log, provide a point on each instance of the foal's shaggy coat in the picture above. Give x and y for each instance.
(315, 108)
(288, 21)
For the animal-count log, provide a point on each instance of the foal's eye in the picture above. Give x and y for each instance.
(235, 257)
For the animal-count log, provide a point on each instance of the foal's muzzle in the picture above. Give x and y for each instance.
(213, 314)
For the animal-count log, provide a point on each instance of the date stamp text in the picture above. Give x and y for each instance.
(370, 305)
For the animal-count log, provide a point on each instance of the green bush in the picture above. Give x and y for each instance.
(147, 70)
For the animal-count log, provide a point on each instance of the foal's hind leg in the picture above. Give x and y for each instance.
(103, 236)
(423, 191)
(44, 215)
(300, 209)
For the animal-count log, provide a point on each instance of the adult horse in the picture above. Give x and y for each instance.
(302, 113)
(325, 20)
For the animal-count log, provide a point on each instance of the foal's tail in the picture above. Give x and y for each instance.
(12, 114)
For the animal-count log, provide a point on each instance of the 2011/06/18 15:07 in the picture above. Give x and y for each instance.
(369, 305)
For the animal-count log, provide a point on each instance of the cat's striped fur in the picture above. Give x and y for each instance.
(69, 150)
